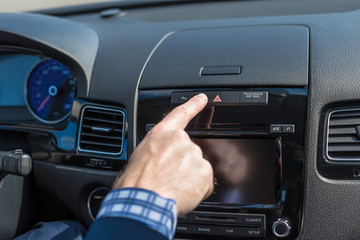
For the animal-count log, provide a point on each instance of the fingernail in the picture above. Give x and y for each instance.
(202, 96)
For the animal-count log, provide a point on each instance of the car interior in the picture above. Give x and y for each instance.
(81, 85)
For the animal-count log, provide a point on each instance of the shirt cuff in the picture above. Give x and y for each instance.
(141, 205)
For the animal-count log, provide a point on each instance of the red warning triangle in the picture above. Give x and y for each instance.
(217, 99)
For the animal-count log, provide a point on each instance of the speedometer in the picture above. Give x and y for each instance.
(50, 91)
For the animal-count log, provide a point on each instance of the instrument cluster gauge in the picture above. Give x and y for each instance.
(50, 91)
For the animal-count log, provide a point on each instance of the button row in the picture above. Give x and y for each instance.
(220, 230)
(238, 218)
(282, 128)
(225, 98)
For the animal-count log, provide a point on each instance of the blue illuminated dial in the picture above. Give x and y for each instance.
(51, 91)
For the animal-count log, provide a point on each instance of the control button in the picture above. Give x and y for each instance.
(186, 218)
(205, 229)
(288, 128)
(253, 232)
(227, 218)
(282, 128)
(253, 98)
(185, 228)
(281, 227)
(229, 231)
(181, 97)
(275, 128)
(95, 162)
(223, 98)
(254, 220)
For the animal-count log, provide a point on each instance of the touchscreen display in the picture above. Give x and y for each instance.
(244, 170)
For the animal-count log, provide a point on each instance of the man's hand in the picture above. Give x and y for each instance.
(169, 163)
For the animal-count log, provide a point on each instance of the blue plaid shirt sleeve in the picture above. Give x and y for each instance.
(141, 205)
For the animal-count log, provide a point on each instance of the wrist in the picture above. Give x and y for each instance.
(144, 206)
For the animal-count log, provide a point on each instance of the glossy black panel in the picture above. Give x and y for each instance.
(286, 107)
(245, 176)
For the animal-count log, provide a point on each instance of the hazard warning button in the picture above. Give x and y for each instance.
(223, 98)
(217, 99)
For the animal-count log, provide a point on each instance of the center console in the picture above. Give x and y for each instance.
(254, 140)
(252, 131)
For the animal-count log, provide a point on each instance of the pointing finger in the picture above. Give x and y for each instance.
(182, 115)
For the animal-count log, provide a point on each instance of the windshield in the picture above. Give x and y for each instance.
(31, 5)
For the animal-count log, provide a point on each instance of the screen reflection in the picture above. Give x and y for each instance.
(244, 169)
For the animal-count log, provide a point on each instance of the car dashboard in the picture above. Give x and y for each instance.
(79, 89)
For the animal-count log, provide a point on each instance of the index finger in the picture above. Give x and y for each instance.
(182, 115)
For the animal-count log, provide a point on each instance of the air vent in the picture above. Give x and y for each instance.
(342, 139)
(101, 130)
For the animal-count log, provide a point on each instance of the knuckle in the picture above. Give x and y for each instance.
(196, 149)
(152, 148)
(209, 176)
(156, 130)
(208, 170)
(183, 110)
(179, 134)
(211, 190)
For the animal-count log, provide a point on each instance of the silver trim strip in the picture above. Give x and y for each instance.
(136, 95)
(89, 199)
(326, 156)
(100, 129)
(105, 109)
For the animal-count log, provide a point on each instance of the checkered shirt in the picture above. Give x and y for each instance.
(141, 205)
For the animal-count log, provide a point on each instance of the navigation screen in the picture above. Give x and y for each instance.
(244, 170)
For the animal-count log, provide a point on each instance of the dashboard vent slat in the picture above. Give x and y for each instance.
(98, 143)
(342, 143)
(342, 131)
(342, 148)
(100, 136)
(100, 112)
(347, 139)
(344, 121)
(101, 120)
(101, 130)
